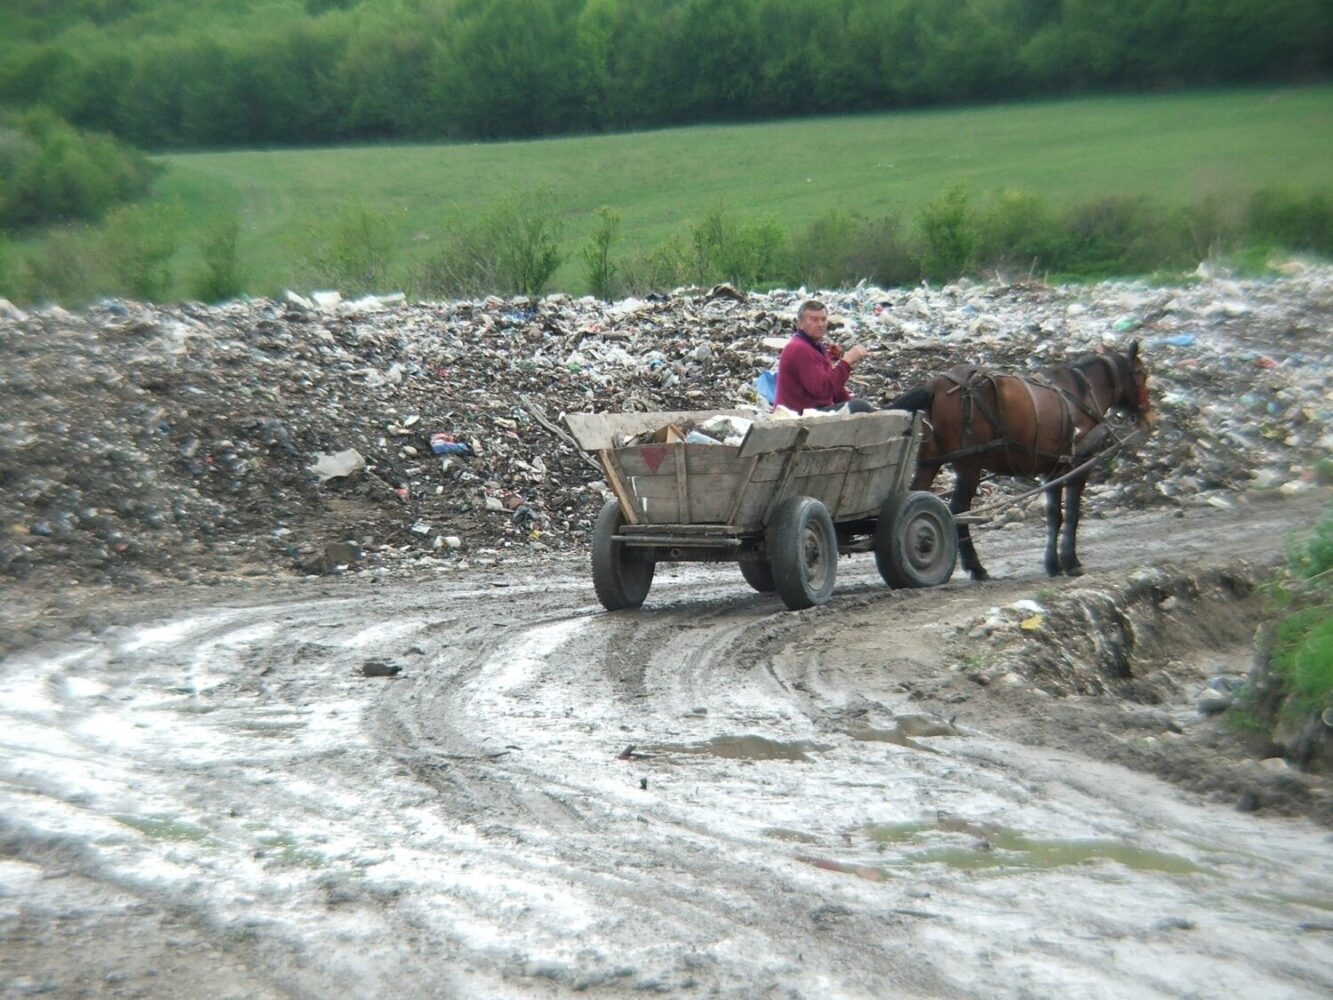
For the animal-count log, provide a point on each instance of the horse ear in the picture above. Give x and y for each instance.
(1133, 350)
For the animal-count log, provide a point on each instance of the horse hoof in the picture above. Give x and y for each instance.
(980, 574)
(1074, 571)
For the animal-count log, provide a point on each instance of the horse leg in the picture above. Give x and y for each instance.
(925, 475)
(1053, 520)
(964, 490)
(1068, 545)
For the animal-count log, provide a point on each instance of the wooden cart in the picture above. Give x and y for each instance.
(783, 504)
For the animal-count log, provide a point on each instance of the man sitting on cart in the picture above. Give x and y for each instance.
(812, 374)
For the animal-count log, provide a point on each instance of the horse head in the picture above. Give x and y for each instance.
(1130, 379)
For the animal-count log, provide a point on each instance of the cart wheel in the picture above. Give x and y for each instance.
(916, 541)
(620, 578)
(803, 552)
(758, 574)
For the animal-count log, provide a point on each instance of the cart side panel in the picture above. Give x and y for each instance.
(871, 479)
(716, 474)
(682, 484)
(851, 482)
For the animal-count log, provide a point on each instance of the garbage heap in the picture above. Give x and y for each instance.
(315, 435)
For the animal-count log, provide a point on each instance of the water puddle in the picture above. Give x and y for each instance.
(987, 847)
(745, 748)
(896, 736)
(163, 827)
(288, 850)
(791, 836)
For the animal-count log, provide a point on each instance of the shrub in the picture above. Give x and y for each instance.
(9, 266)
(821, 252)
(664, 267)
(514, 249)
(64, 267)
(744, 253)
(947, 234)
(599, 270)
(138, 244)
(1212, 226)
(1017, 231)
(221, 276)
(1298, 682)
(1118, 235)
(52, 172)
(1291, 220)
(879, 253)
(353, 252)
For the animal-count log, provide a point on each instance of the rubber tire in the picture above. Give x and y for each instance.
(758, 574)
(621, 580)
(916, 541)
(802, 552)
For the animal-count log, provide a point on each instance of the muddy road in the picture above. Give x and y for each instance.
(710, 797)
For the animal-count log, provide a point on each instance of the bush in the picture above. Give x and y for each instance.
(598, 267)
(880, 253)
(947, 235)
(1291, 220)
(1118, 235)
(664, 267)
(52, 172)
(138, 244)
(352, 253)
(64, 267)
(1294, 682)
(1017, 231)
(514, 249)
(1212, 226)
(9, 268)
(221, 276)
(744, 253)
(821, 252)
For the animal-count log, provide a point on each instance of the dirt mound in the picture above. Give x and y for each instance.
(141, 442)
(1139, 667)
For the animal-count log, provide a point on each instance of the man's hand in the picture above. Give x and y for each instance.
(853, 356)
(834, 353)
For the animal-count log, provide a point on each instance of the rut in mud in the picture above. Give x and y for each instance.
(712, 796)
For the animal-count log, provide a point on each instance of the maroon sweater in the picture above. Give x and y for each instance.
(806, 377)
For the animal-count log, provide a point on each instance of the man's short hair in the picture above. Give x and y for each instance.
(810, 306)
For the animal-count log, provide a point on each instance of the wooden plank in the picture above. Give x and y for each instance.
(713, 497)
(712, 459)
(789, 467)
(598, 431)
(682, 486)
(741, 487)
(615, 478)
(852, 430)
(864, 494)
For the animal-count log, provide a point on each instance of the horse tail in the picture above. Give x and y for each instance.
(917, 400)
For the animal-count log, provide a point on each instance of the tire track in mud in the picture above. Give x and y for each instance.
(686, 885)
(467, 829)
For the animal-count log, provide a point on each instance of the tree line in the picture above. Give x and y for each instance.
(232, 73)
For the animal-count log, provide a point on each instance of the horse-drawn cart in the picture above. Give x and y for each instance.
(784, 503)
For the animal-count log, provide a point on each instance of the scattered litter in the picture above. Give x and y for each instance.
(189, 440)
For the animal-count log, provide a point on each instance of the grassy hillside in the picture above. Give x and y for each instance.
(1175, 148)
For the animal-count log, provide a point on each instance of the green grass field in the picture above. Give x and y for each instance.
(1174, 148)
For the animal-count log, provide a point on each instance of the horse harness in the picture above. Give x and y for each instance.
(969, 383)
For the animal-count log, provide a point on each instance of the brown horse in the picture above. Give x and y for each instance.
(1037, 425)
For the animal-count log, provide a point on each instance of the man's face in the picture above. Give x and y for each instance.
(814, 324)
